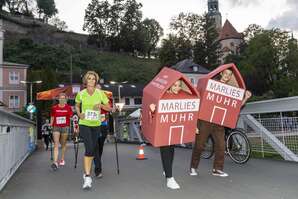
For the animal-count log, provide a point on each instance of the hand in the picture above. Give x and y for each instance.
(197, 131)
(247, 94)
(97, 107)
(81, 115)
(152, 107)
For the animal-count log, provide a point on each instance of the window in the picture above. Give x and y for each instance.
(138, 100)
(14, 77)
(127, 101)
(14, 101)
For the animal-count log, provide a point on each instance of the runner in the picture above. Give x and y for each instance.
(46, 129)
(60, 121)
(89, 102)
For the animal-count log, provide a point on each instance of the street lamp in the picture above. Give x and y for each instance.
(119, 86)
(31, 86)
(31, 91)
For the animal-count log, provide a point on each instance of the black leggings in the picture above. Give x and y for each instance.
(167, 157)
(101, 141)
(90, 136)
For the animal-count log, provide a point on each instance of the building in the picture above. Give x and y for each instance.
(12, 92)
(191, 70)
(130, 94)
(230, 40)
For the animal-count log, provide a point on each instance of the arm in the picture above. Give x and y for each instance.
(246, 97)
(78, 110)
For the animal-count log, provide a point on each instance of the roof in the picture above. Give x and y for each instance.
(7, 64)
(188, 66)
(229, 32)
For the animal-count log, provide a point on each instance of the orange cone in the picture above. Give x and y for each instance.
(141, 155)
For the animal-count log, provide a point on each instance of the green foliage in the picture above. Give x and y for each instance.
(192, 36)
(52, 63)
(118, 26)
(47, 8)
(268, 61)
(207, 45)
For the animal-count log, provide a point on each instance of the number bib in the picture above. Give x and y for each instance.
(61, 120)
(92, 115)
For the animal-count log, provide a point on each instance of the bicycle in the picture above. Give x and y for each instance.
(237, 146)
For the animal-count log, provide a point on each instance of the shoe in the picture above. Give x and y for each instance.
(87, 184)
(98, 173)
(193, 172)
(54, 166)
(172, 184)
(61, 162)
(219, 173)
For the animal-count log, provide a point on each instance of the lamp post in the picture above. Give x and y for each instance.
(119, 105)
(31, 91)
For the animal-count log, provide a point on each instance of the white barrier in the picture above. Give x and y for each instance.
(17, 141)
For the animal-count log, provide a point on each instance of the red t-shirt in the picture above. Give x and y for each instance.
(61, 115)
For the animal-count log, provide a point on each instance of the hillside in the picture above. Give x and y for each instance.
(50, 51)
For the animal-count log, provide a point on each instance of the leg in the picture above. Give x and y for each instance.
(218, 135)
(101, 141)
(85, 133)
(63, 141)
(46, 141)
(201, 138)
(167, 153)
(56, 137)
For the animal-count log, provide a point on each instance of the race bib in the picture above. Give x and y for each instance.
(92, 115)
(61, 120)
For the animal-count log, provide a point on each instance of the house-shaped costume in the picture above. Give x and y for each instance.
(175, 117)
(220, 102)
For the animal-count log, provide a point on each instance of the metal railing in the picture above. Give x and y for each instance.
(272, 127)
(17, 141)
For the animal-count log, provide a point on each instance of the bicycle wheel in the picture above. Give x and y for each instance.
(209, 149)
(238, 146)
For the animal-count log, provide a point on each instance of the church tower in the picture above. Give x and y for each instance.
(213, 12)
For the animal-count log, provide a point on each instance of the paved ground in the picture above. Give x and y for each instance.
(143, 179)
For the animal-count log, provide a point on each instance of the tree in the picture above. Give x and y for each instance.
(24, 7)
(152, 32)
(207, 46)
(59, 24)
(174, 49)
(187, 26)
(130, 26)
(47, 8)
(2, 4)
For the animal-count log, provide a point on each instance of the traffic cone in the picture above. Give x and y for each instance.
(141, 155)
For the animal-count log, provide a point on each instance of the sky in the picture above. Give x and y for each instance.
(267, 13)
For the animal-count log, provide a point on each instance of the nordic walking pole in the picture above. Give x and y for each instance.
(116, 147)
(76, 143)
(76, 147)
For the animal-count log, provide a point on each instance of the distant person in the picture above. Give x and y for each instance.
(60, 122)
(104, 128)
(46, 130)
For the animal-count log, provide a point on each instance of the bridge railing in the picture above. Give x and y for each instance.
(17, 141)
